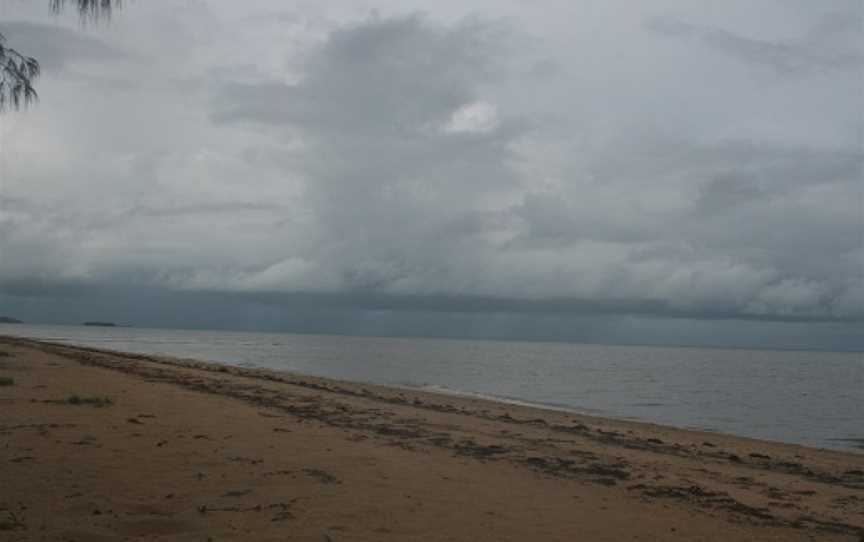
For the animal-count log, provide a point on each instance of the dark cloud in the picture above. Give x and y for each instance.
(307, 313)
(400, 147)
(331, 171)
(382, 77)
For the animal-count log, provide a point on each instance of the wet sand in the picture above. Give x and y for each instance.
(97, 445)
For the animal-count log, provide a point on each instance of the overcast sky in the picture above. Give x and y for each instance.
(522, 168)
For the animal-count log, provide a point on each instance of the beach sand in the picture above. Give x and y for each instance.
(163, 449)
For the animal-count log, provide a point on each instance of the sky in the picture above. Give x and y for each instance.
(673, 172)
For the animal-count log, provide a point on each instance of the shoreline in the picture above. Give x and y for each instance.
(857, 446)
(348, 386)
(704, 485)
(468, 339)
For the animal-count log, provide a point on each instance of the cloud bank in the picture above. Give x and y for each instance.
(472, 161)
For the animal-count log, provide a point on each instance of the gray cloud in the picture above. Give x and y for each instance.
(814, 52)
(446, 163)
(577, 238)
(390, 171)
(55, 47)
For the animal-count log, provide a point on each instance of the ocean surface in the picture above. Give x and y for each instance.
(810, 398)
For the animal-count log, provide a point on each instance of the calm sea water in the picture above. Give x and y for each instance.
(811, 398)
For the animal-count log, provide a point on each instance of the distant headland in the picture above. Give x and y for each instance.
(7, 320)
(100, 324)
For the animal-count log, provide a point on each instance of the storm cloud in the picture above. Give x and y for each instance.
(499, 159)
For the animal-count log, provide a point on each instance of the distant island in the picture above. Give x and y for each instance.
(7, 320)
(100, 324)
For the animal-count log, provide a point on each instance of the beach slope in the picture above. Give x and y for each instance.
(99, 446)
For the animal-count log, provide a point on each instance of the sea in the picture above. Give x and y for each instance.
(812, 398)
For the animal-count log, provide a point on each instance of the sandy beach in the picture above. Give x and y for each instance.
(99, 445)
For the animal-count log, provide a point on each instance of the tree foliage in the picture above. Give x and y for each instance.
(18, 72)
(88, 9)
(17, 77)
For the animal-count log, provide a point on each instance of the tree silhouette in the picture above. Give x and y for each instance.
(19, 72)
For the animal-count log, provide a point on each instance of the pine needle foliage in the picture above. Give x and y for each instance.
(18, 72)
(88, 9)
(17, 75)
